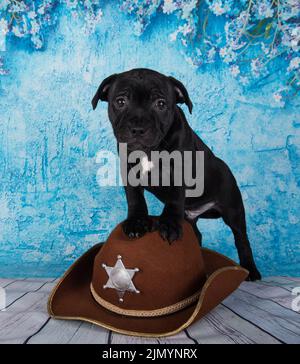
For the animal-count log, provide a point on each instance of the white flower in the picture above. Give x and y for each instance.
(269, 13)
(265, 10)
(41, 10)
(190, 61)
(72, 3)
(187, 9)
(223, 52)
(3, 26)
(227, 54)
(99, 15)
(3, 72)
(289, 9)
(291, 37)
(217, 8)
(235, 70)
(35, 27)
(211, 54)
(4, 4)
(92, 20)
(294, 64)
(295, 38)
(186, 30)
(169, 6)
(244, 80)
(278, 99)
(173, 36)
(74, 14)
(198, 52)
(138, 28)
(17, 32)
(140, 11)
(264, 48)
(36, 40)
(32, 15)
(256, 66)
(184, 42)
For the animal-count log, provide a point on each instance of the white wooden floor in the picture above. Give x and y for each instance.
(255, 313)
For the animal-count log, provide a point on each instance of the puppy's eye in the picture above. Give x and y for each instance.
(161, 104)
(121, 102)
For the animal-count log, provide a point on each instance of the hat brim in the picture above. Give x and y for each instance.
(71, 299)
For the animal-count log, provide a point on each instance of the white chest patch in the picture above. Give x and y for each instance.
(146, 165)
(196, 212)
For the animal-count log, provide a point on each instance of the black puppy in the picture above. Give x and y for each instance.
(142, 107)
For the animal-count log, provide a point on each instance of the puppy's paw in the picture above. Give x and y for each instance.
(136, 227)
(254, 274)
(169, 229)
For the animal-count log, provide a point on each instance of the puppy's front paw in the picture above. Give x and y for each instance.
(254, 274)
(136, 227)
(169, 229)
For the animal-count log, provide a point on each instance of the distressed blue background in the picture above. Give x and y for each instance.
(51, 208)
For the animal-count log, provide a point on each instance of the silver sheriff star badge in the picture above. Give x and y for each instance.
(120, 278)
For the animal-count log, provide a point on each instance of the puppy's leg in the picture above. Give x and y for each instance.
(235, 219)
(138, 222)
(170, 221)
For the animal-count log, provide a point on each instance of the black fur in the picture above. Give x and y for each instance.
(140, 120)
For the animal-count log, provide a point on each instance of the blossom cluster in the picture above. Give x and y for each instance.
(24, 20)
(29, 19)
(257, 39)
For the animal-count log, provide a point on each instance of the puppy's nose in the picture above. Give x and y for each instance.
(137, 131)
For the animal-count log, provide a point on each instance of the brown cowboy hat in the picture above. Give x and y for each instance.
(145, 287)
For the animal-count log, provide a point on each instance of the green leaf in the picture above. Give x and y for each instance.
(268, 30)
(256, 30)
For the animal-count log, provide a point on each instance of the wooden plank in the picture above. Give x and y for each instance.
(277, 321)
(70, 332)
(27, 285)
(33, 304)
(257, 313)
(294, 279)
(282, 282)
(42, 280)
(4, 282)
(180, 338)
(15, 327)
(269, 293)
(223, 326)
(31, 301)
(15, 293)
(205, 332)
(124, 339)
(26, 311)
(284, 279)
(216, 328)
(287, 287)
(90, 334)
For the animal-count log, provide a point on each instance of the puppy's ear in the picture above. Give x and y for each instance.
(182, 96)
(102, 92)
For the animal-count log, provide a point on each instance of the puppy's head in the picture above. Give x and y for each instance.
(141, 105)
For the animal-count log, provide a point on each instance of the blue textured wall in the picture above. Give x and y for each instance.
(51, 208)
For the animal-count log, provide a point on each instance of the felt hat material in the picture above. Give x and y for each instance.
(145, 287)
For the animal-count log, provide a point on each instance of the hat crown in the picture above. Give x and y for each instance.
(156, 282)
(148, 276)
